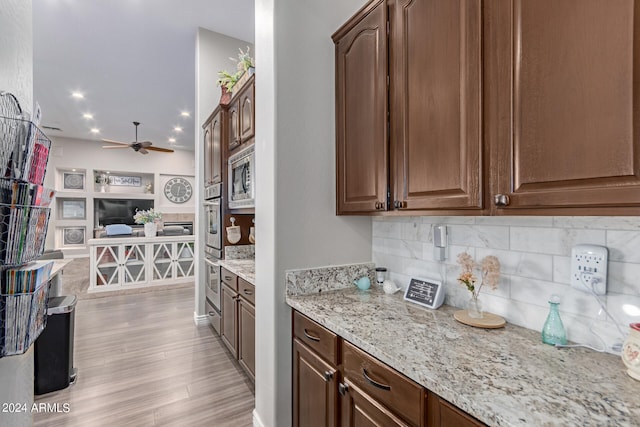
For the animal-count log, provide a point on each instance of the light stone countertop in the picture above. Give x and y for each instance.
(503, 377)
(245, 268)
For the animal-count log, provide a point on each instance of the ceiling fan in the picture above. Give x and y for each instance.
(139, 146)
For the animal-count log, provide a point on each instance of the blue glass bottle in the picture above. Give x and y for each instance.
(553, 331)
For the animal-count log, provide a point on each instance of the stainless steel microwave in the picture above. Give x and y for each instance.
(242, 179)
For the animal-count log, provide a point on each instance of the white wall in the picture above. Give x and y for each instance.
(535, 257)
(295, 168)
(16, 76)
(89, 155)
(213, 51)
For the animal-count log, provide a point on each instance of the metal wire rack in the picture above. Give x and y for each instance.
(24, 148)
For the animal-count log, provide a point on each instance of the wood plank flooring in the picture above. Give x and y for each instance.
(142, 361)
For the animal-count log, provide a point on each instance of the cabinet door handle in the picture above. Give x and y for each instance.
(311, 337)
(375, 383)
(501, 200)
(328, 375)
(343, 389)
(377, 205)
(398, 204)
(247, 292)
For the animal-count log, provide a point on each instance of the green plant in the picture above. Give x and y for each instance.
(244, 61)
(228, 80)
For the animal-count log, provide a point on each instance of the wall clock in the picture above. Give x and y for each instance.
(178, 190)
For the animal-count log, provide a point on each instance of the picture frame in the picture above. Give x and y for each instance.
(73, 209)
(126, 181)
(73, 180)
(73, 236)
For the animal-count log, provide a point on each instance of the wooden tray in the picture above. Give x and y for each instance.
(488, 321)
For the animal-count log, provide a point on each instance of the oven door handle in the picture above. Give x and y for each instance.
(211, 263)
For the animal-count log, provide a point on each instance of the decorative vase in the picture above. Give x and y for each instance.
(150, 229)
(225, 97)
(474, 307)
(631, 352)
(553, 330)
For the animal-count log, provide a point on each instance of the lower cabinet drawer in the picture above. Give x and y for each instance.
(316, 337)
(400, 394)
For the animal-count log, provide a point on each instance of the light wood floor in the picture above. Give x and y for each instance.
(142, 361)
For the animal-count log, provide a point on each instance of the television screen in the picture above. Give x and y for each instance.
(119, 211)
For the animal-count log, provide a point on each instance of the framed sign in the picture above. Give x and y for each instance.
(73, 208)
(126, 181)
(72, 181)
(426, 292)
(73, 236)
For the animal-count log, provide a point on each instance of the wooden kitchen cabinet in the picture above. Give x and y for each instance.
(362, 159)
(336, 383)
(360, 409)
(315, 378)
(228, 320)
(441, 413)
(315, 389)
(424, 152)
(247, 328)
(495, 108)
(562, 83)
(212, 139)
(246, 96)
(238, 319)
(241, 116)
(435, 102)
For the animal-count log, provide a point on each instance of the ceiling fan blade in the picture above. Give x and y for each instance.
(116, 146)
(115, 142)
(143, 151)
(164, 150)
(145, 144)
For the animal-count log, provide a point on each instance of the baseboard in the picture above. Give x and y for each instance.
(200, 319)
(256, 420)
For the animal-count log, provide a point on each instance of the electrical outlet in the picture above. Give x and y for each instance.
(589, 268)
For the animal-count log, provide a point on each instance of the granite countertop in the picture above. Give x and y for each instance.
(245, 268)
(503, 377)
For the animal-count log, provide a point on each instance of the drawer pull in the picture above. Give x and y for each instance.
(211, 313)
(374, 383)
(311, 337)
(228, 278)
(343, 389)
(247, 292)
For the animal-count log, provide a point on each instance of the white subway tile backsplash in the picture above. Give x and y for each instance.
(623, 246)
(554, 241)
(481, 236)
(603, 223)
(523, 221)
(534, 253)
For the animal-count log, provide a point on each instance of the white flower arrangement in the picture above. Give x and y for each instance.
(144, 217)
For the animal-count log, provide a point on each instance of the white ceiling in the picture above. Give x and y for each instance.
(134, 60)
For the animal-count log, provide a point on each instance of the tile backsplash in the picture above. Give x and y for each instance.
(534, 253)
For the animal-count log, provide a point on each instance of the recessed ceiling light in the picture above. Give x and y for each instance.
(77, 95)
(87, 116)
(185, 114)
(95, 130)
(177, 129)
(172, 140)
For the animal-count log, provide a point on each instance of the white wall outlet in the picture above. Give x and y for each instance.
(589, 268)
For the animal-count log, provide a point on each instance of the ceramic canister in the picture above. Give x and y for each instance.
(631, 351)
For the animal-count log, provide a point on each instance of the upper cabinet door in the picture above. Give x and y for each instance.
(435, 94)
(208, 150)
(361, 112)
(247, 112)
(216, 148)
(564, 110)
(233, 116)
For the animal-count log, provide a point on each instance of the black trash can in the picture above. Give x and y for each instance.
(53, 352)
